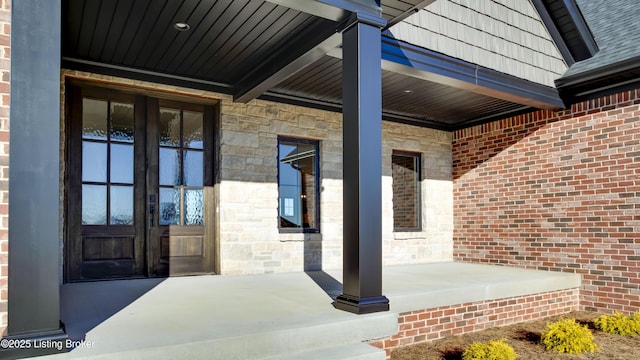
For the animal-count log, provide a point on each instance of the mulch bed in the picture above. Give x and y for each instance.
(525, 340)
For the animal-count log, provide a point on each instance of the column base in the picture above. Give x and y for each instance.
(30, 345)
(357, 305)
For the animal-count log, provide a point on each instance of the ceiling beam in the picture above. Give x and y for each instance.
(296, 55)
(335, 10)
(253, 89)
(287, 61)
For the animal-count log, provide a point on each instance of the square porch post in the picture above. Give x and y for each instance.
(362, 194)
(34, 181)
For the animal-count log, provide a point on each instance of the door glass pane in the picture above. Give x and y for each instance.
(193, 171)
(94, 161)
(121, 205)
(169, 127)
(169, 167)
(94, 119)
(192, 128)
(193, 207)
(121, 163)
(94, 205)
(169, 206)
(121, 122)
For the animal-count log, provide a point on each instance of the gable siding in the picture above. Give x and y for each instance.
(507, 36)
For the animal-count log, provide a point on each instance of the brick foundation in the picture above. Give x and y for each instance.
(432, 324)
(556, 191)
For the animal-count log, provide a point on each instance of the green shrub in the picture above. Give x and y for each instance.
(493, 350)
(619, 324)
(568, 336)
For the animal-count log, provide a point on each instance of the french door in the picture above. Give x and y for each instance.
(139, 188)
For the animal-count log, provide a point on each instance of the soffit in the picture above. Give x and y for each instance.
(230, 39)
(404, 98)
(226, 39)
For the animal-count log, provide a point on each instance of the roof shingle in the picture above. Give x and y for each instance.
(615, 26)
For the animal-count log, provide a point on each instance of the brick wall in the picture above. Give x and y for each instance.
(431, 324)
(556, 191)
(5, 68)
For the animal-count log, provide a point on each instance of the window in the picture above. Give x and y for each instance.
(405, 172)
(299, 195)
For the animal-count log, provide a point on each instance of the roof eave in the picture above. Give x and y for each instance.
(601, 81)
(575, 41)
(411, 60)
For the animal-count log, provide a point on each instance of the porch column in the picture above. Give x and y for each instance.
(34, 193)
(362, 197)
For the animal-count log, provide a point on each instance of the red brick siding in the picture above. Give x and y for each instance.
(556, 191)
(432, 324)
(5, 68)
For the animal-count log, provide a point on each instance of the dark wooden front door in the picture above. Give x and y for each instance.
(139, 186)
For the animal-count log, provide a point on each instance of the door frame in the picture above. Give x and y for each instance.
(74, 89)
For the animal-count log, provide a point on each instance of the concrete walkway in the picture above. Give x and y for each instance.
(269, 316)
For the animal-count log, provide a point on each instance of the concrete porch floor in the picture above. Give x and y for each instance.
(270, 316)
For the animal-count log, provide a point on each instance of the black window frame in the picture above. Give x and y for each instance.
(316, 145)
(418, 161)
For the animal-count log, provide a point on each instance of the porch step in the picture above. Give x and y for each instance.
(311, 342)
(359, 351)
(335, 339)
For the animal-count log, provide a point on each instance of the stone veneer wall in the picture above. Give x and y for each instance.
(5, 72)
(433, 242)
(556, 191)
(425, 325)
(250, 242)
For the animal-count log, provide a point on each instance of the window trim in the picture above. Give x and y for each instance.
(316, 147)
(417, 156)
